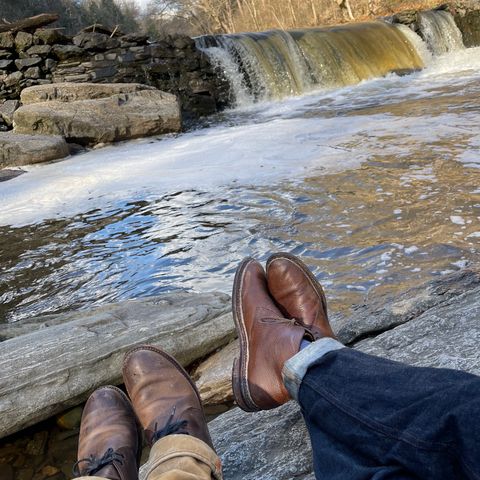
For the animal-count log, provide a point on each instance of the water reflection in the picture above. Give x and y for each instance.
(409, 212)
(385, 226)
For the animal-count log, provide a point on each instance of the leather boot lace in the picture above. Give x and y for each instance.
(170, 427)
(311, 334)
(96, 464)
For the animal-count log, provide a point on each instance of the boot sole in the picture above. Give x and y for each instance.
(241, 390)
(177, 366)
(310, 276)
(129, 405)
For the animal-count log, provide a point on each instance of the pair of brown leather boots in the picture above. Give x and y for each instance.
(273, 312)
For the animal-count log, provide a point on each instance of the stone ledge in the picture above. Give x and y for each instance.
(17, 149)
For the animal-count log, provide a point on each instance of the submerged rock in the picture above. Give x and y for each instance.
(70, 419)
(8, 174)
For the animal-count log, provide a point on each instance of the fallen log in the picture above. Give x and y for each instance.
(46, 371)
(31, 23)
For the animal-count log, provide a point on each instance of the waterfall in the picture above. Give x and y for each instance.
(440, 32)
(275, 64)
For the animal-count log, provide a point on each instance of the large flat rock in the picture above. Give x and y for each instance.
(274, 445)
(71, 92)
(54, 367)
(122, 116)
(446, 336)
(384, 313)
(16, 150)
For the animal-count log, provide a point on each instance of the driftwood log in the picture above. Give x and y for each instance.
(31, 23)
(48, 370)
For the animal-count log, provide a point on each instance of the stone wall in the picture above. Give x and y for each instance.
(468, 21)
(173, 65)
(46, 55)
(466, 14)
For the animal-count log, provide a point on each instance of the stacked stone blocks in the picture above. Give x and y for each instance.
(47, 56)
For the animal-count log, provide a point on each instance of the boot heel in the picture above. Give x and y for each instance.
(237, 388)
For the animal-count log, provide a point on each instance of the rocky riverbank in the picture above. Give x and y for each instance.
(435, 325)
(102, 86)
(31, 56)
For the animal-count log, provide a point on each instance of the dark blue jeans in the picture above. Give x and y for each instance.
(371, 418)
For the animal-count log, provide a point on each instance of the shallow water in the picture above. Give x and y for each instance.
(376, 186)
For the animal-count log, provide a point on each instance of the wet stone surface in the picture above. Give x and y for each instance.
(41, 452)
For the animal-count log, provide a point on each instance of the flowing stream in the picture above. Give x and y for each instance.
(375, 183)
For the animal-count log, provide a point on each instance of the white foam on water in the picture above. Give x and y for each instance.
(203, 160)
(457, 220)
(287, 142)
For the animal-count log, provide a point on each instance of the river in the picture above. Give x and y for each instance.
(376, 186)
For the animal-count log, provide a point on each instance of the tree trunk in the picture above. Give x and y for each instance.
(349, 9)
(31, 23)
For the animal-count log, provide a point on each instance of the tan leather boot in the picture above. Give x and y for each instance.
(298, 293)
(110, 440)
(164, 397)
(267, 341)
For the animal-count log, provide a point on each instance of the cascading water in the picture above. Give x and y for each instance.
(440, 32)
(276, 64)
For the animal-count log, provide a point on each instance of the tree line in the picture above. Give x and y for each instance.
(196, 17)
(76, 14)
(229, 16)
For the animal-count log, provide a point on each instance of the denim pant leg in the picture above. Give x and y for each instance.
(371, 418)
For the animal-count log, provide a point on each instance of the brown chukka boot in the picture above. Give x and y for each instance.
(298, 293)
(267, 341)
(164, 397)
(110, 441)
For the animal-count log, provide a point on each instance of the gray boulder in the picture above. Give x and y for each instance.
(7, 40)
(18, 150)
(71, 92)
(7, 109)
(117, 117)
(383, 313)
(446, 336)
(270, 445)
(213, 376)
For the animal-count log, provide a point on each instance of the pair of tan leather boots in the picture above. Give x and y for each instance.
(273, 309)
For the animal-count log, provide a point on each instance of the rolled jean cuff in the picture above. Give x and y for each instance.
(172, 447)
(296, 367)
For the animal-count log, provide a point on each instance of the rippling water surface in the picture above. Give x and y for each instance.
(376, 186)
